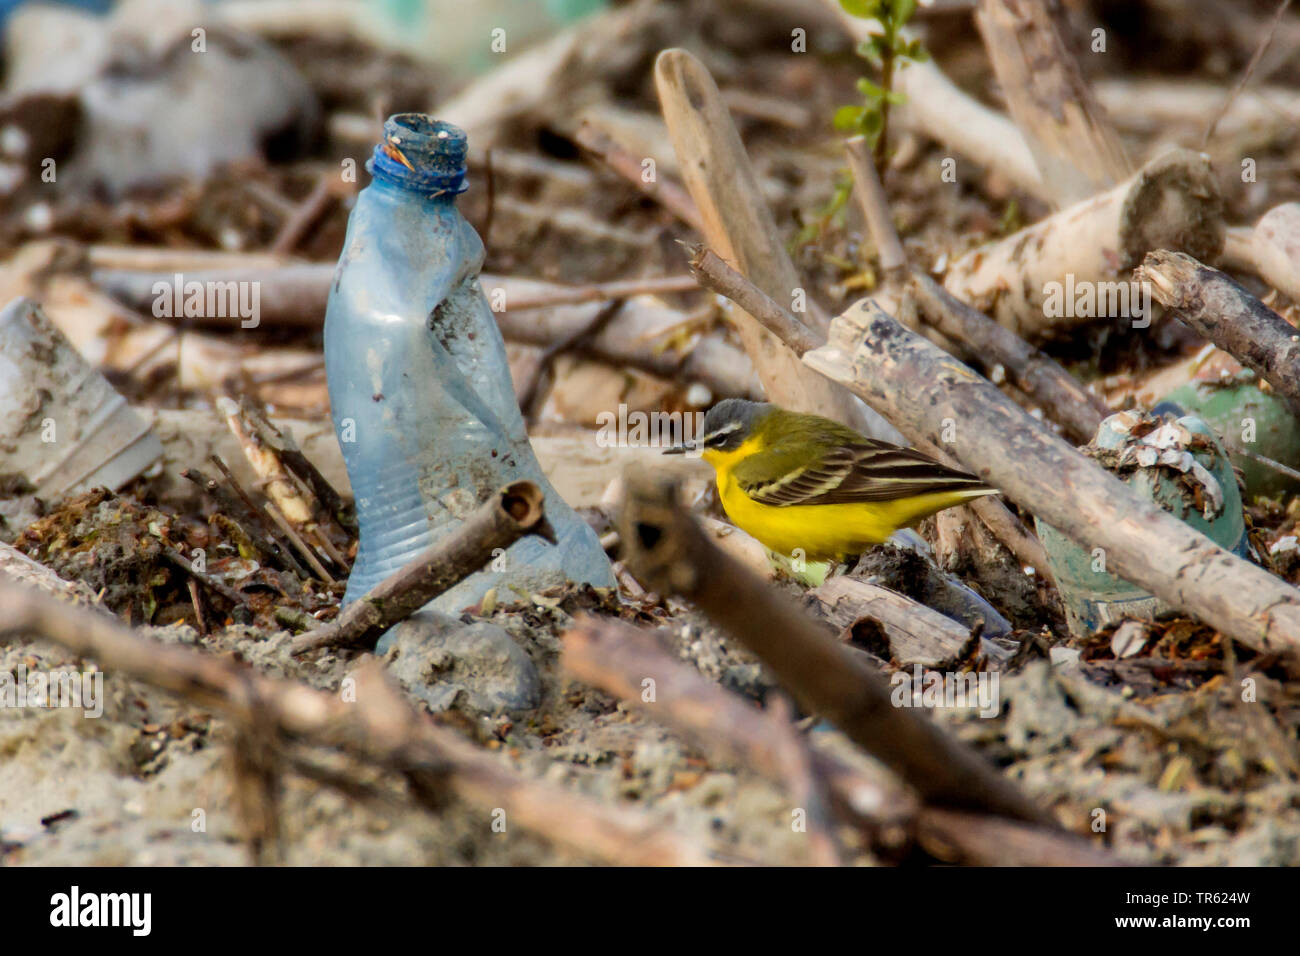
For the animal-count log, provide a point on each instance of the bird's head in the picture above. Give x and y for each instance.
(726, 427)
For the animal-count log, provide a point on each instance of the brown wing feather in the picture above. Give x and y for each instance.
(861, 472)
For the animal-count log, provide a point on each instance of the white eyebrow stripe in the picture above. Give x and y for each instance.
(726, 429)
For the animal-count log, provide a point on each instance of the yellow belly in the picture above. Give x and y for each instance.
(830, 532)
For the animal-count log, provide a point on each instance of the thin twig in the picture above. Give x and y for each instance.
(1246, 73)
(296, 540)
(659, 188)
(509, 514)
(875, 206)
(710, 271)
(227, 592)
(532, 389)
(602, 292)
(304, 215)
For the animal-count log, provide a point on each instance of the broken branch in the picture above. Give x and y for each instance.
(499, 522)
(1075, 147)
(1028, 281)
(1229, 316)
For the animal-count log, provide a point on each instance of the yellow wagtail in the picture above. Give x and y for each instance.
(797, 481)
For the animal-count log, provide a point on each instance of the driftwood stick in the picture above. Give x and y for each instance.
(1229, 316)
(985, 840)
(512, 512)
(1271, 249)
(914, 633)
(875, 206)
(262, 449)
(619, 658)
(738, 223)
(668, 551)
(303, 290)
(601, 292)
(708, 269)
(165, 260)
(1028, 280)
(298, 467)
(293, 294)
(1075, 147)
(918, 384)
(1149, 106)
(1033, 372)
(379, 727)
(1038, 375)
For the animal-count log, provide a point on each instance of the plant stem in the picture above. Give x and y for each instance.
(886, 84)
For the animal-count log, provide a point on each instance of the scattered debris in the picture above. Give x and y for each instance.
(191, 527)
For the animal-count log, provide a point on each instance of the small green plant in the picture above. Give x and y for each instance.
(883, 49)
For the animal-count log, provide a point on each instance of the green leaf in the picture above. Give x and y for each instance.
(847, 118)
(895, 98)
(872, 121)
(866, 9)
(903, 10)
(870, 90)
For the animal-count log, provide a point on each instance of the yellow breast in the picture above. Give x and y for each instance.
(820, 532)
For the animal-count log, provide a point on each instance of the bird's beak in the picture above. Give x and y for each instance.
(681, 449)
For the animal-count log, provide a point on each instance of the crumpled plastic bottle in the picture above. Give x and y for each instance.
(419, 384)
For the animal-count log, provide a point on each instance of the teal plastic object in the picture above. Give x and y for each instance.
(465, 38)
(1093, 596)
(1258, 421)
(419, 385)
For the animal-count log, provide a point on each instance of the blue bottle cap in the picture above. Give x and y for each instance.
(422, 154)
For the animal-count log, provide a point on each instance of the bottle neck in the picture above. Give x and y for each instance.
(420, 156)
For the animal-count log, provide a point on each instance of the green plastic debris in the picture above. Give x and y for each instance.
(1180, 466)
(1249, 419)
